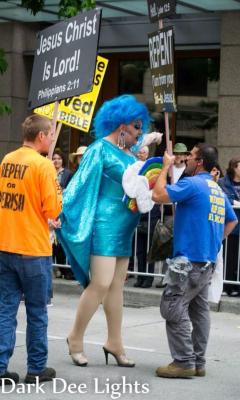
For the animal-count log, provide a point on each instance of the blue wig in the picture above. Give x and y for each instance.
(120, 110)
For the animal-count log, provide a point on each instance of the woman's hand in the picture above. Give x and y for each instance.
(54, 223)
(153, 137)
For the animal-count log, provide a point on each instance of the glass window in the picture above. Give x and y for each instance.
(192, 77)
(132, 76)
(197, 99)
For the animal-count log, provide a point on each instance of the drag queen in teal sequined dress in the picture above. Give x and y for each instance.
(97, 227)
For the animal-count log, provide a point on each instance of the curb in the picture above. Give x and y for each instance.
(137, 297)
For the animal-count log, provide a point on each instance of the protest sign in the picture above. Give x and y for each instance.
(161, 54)
(65, 59)
(77, 112)
(158, 9)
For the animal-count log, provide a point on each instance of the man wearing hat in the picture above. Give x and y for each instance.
(180, 152)
(75, 158)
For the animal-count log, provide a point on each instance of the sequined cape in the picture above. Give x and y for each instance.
(94, 218)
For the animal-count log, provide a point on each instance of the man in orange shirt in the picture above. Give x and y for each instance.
(29, 196)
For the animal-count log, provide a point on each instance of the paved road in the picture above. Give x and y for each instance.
(145, 341)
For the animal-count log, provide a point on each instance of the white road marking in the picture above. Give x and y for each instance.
(96, 343)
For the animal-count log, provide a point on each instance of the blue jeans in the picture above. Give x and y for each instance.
(31, 276)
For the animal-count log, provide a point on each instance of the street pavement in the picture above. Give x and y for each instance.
(139, 297)
(145, 342)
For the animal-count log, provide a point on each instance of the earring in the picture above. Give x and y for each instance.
(121, 140)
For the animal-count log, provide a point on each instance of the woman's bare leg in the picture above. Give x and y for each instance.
(113, 307)
(102, 273)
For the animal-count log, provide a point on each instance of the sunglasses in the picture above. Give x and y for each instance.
(180, 154)
(137, 126)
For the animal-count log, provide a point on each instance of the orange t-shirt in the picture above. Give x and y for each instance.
(29, 196)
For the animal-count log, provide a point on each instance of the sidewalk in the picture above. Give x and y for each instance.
(138, 297)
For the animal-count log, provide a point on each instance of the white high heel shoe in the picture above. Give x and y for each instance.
(78, 358)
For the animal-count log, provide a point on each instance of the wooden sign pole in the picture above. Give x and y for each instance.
(166, 118)
(56, 131)
(59, 126)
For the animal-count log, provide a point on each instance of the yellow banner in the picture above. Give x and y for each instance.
(77, 112)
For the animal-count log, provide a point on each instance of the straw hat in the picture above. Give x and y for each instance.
(80, 151)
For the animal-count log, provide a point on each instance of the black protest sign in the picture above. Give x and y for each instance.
(158, 9)
(161, 54)
(65, 58)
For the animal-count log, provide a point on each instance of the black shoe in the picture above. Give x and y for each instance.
(69, 277)
(122, 360)
(227, 288)
(46, 375)
(9, 378)
(138, 283)
(234, 293)
(146, 284)
(160, 284)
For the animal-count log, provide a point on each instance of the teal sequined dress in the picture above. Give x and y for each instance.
(94, 218)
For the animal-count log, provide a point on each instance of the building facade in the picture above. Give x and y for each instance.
(207, 57)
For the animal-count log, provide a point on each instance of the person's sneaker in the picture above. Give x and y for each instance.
(8, 378)
(174, 371)
(46, 375)
(200, 372)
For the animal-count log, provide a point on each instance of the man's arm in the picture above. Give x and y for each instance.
(159, 193)
(229, 226)
(51, 193)
(231, 219)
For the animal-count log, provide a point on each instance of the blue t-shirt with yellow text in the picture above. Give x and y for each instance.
(201, 213)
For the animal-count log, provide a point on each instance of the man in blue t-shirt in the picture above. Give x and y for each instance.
(203, 218)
